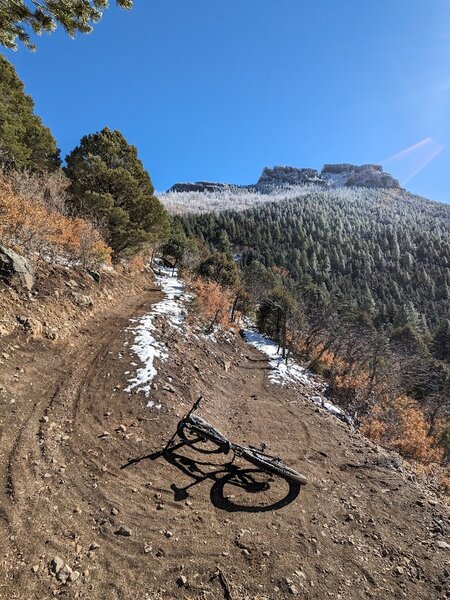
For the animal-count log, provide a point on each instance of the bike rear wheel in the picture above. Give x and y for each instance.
(271, 464)
(196, 429)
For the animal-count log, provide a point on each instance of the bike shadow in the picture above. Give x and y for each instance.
(240, 480)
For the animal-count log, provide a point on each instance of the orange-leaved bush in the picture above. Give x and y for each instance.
(213, 302)
(400, 424)
(38, 231)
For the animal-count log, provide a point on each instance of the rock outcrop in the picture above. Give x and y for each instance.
(332, 175)
(338, 175)
(339, 168)
(370, 176)
(199, 186)
(15, 269)
(277, 176)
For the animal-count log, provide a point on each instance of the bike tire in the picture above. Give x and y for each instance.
(203, 429)
(271, 464)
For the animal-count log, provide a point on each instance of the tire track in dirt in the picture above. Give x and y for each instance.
(33, 449)
(39, 410)
(259, 365)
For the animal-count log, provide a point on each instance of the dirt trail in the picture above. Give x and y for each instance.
(80, 459)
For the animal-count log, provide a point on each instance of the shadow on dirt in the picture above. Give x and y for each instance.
(233, 487)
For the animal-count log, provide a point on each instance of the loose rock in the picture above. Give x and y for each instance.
(443, 545)
(182, 581)
(123, 531)
(64, 573)
(57, 564)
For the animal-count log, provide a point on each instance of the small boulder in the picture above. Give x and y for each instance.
(64, 574)
(15, 270)
(74, 576)
(57, 564)
(94, 546)
(167, 387)
(33, 327)
(123, 531)
(95, 275)
(82, 300)
(443, 545)
(182, 581)
(52, 334)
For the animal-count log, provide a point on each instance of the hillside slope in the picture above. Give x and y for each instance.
(379, 248)
(81, 459)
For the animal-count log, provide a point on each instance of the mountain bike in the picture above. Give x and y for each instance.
(192, 429)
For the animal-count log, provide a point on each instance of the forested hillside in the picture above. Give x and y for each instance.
(385, 250)
(355, 281)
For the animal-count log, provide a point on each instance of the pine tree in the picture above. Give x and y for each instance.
(17, 18)
(24, 141)
(225, 245)
(274, 314)
(220, 268)
(177, 243)
(109, 183)
(440, 344)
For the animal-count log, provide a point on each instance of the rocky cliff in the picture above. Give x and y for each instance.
(280, 176)
(200, 186)
(332, 175)
(370, 176)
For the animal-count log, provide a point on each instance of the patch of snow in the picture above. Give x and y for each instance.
(329, 406)
(172, 306)
(286, 374)
(153, 404)
(146, 347)
(281, 372)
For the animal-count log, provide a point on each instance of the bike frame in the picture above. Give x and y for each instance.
(236, 448)
(256, 456)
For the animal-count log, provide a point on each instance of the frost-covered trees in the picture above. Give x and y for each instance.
(381, 249)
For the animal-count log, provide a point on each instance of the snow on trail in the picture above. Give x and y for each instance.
(146, 347)
(281, 373)
(286, 374)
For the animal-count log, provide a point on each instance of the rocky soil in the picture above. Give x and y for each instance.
(92, 508)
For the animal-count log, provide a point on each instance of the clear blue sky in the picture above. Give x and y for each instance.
(216, 90)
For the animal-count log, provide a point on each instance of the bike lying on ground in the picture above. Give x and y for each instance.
(193, 429)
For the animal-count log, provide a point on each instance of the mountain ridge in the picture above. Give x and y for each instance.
(331, 176)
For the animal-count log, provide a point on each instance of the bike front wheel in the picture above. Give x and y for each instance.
(271, 464)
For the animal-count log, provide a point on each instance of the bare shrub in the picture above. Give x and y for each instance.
(32, 219)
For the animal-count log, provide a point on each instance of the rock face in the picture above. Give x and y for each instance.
(339, 175)
(199, 186)
(340, 168)
(371, 176)
(332, 175)
(15, 269)
(288, 176)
